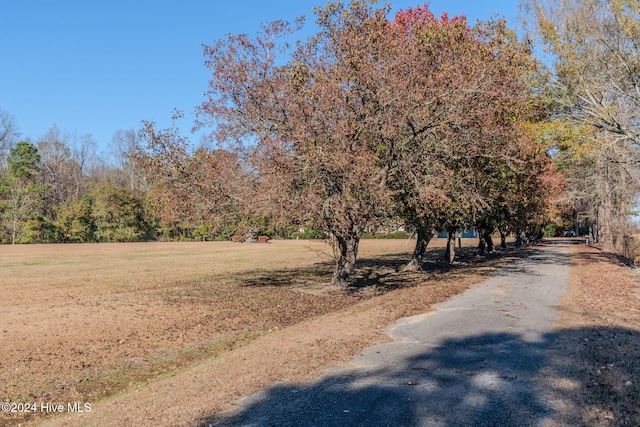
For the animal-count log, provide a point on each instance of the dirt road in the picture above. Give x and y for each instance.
(476, 360)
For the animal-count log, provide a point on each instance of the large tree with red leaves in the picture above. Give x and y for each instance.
(371, 117)
(312, 121)
(464, 101)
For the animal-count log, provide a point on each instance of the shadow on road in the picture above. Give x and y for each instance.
(485, 380)
(536, 256)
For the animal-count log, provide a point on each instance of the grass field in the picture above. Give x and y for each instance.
(83, 322)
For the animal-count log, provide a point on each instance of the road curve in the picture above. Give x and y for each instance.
(471, 362)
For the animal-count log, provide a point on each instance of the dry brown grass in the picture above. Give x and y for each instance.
(83, 322)
(593, 373)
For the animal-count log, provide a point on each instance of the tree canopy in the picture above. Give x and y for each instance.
(371, 117)
(595, 86)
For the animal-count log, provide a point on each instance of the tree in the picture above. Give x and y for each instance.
(8, 134)
(117, 215)
(83, 149)
(596, 85)
(75, 221)
(124, 144)
(65, 160)
(370, 117)
(310, 122)
(600, 189)
(465, 108)
(21, 194)
(46, 181)
(190, 189)
(57, 167)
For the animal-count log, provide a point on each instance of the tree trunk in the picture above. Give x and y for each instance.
(482, 244)
(450, 251)
(423, 237)
(346, 253)
(619, 231)
(14, 231)
(610, 229)
(489, 240)
(518, 234)
(605, 234)
(503, 239)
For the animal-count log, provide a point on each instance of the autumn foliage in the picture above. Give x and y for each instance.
(416, 117)
(595, 90)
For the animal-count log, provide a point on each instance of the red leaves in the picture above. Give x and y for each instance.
(422, 17)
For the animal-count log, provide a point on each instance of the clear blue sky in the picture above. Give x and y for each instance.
(94, 67)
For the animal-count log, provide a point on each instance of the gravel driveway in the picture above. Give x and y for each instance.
(471, 362)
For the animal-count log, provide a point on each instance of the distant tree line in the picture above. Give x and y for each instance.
(58, 190)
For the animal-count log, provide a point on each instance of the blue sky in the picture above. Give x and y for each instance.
(94, 67)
